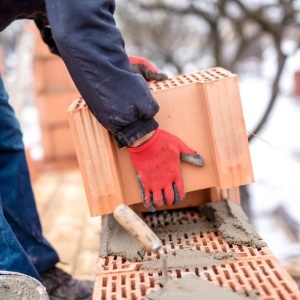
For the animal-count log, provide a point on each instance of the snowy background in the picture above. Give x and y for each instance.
(275, 157)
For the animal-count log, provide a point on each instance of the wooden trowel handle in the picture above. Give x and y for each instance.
(134, 225)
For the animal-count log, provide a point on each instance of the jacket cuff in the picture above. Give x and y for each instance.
(127, 135)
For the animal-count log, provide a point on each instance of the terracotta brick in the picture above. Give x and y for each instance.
(41, 50)
(57, 142)
(198, 197)
(266, 276)
(32, 165)
(51, 74)
(52, 107)
(203, 109)
(253, 270)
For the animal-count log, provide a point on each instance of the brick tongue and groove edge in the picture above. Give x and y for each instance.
(203, 109)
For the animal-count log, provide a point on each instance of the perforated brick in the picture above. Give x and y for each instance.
(264, 275)
(201, 108)
(253, 270)
(200, 77)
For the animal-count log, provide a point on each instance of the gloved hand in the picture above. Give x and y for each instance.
(142, 66)
(157, 164)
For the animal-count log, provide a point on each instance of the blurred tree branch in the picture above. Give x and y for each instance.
(227, 30)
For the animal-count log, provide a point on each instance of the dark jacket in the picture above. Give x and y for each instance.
(90, 44)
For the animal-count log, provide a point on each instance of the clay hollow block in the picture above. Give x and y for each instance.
(204, 110)
(51, 75)
(52, 107)
(57, 142)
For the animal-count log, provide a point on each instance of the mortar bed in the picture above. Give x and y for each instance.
(208, 242)
(253, 269)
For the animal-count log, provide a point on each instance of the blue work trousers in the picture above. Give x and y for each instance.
(23, 248)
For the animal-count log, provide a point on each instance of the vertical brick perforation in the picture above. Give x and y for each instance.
(253, 269)
(80, 103)
(239, 276)
(200, 76)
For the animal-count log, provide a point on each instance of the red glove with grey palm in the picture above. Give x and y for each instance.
(157, 164)
(142, 66)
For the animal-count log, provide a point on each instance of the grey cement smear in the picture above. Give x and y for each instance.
(193, 288)
(116, 241)
(224, 217)
(232, 223)
(179, 227)
(188, 258)
(21, 287)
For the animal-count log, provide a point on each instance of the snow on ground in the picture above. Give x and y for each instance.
(277, 175)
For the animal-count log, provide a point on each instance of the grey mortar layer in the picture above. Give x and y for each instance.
(193, 288)
(224, 217)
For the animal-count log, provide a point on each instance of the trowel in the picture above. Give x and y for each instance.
(135, 226)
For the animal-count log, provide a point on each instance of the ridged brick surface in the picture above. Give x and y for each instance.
(253, 269)
(54, 92)
(202, 108)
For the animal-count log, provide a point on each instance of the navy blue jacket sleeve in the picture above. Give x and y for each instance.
(92, 48)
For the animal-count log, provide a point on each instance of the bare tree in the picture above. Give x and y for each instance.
(190, 35)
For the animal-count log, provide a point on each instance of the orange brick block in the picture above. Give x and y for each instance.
(52, 107)
(267, 276)
(50, 72)
(252, 270)
(202, 108)
(41, 50)
(198, 197)
(57, 142)
(51, 75)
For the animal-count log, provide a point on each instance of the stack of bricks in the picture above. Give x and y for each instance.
(54, 91)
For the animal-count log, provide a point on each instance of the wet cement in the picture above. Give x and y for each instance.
(188, 258)
(224, 217)
(21, 287)
(181, 225)
(193, 288)
(116, 241)
(232, 223)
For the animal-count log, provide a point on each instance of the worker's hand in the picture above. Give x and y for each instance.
(157, 164)
(142, 66)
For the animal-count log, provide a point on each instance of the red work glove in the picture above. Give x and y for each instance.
(142, 66)
(157, 164)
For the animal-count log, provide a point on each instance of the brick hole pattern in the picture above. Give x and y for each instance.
(253, 269)
(80, 104)
(200, 76)
(209, 242)
(263, 275)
